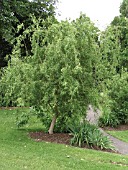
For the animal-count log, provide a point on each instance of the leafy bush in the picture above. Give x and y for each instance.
(119, 96)
(13, 87)
(108, 119)
(87, 134)
(23, 116)
(115, 104)
(62, 122)
(22, 119)
(113, 80)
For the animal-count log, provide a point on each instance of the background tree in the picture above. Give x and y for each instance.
(124, 8)
(114, 80)
(121, 23)
(15, 12)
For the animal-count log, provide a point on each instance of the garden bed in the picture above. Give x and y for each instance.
(118, 128)
(60, 138)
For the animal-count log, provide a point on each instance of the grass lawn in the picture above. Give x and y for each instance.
(122, 135)
(19, 152)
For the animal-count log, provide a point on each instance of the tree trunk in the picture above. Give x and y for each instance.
(52, 124)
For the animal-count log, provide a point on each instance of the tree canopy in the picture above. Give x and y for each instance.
(124, 8)
(59, 75)
(15, 12)
(114, 50)
(121, 24)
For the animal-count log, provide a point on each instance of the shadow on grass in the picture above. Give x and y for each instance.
(31, 129)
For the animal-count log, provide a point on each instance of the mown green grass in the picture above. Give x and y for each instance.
(19, 152)
(122, 135)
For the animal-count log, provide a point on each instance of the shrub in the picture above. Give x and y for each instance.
(115, 103)
(87, 134)
(62, 123)
(119, 96)
(22, 119)
(108, 118)
(23, 116)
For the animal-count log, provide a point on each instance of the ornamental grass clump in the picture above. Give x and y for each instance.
(85, 134)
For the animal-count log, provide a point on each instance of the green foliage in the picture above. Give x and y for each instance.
(115, 106)
(22, 119)
(108, 119)
(24, 116)
(111, 54)
(14, 90)
(14, 13)
(124, 8)
(62, 121)
(121, 24)
(119, 96)
(113, 77)
(55, 77)
(87, 134)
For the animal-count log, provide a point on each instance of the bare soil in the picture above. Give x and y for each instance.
(61, 138)
(118, 128)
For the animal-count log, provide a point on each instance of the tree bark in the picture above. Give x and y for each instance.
(52, 124)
